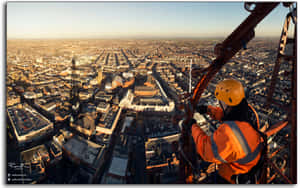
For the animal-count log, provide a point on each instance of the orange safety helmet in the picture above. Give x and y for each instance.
(230, 91)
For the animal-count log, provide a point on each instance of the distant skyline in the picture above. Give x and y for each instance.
(38, 20)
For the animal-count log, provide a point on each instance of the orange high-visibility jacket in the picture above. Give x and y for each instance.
(236, 146)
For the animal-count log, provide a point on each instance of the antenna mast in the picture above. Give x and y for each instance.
(190, 75)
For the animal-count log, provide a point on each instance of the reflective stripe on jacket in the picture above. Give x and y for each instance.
(235, 145)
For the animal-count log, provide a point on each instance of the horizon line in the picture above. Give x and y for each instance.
(123, 38)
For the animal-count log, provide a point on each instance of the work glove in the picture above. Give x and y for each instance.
(187, 125)
(202, 109)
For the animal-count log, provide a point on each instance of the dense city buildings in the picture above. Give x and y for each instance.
(102, 111)
(27, 124)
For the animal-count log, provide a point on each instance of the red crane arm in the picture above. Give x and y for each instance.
(231, 45)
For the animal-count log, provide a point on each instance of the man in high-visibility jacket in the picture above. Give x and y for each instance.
(236, 146)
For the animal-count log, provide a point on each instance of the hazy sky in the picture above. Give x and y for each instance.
(132, 19)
